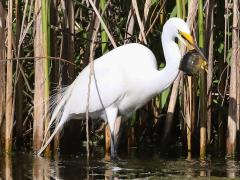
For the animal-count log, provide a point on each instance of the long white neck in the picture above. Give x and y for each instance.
(172, 57)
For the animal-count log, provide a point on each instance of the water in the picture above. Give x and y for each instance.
(136, 165)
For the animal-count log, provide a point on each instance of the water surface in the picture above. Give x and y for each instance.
(144, 165)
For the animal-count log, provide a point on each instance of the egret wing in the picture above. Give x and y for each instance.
(106, 88)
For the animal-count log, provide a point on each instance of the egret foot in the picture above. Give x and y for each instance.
(113, 147)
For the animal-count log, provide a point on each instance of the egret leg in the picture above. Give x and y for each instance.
(115, 136)
(113, 150)
(107, 139)
(111, 117)
(117, 132)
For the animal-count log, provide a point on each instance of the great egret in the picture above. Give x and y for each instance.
(126, 78)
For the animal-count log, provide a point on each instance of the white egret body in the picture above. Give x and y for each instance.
(126, 79)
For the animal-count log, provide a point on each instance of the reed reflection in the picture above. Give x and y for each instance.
(41, 169)
(56, 167)
(232, 169)
(205, 170)
(7, 167)
(111, 171)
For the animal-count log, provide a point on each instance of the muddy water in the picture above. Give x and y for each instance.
(144, 165)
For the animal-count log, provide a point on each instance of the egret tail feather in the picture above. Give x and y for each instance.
(57, 116)
(56, 130)
(57, 112)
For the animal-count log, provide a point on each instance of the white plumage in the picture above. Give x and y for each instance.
(126, 78)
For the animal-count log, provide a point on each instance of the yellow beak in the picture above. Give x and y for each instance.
(190, 41)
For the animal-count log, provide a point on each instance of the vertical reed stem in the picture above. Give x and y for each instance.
(38, 123)
(179, 8)
(209, 44)
(9, 88)
(2, 73)
(203, 120)
(46, 45)
(103, 32)
(232, 115)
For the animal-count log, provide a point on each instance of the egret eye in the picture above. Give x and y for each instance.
(176, 40)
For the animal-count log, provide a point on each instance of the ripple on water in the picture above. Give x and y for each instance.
(26, 166)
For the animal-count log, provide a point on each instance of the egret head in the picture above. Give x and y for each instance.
(180, 29)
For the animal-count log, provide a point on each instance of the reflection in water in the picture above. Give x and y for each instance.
(56, 165)
(8, 167)
(44, 168)
(108, 173)
(38, 168)
(232, 169)
(134, 166)
(205, 170)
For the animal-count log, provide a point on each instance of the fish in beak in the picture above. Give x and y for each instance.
(197, 54)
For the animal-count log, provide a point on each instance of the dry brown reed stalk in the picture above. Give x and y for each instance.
(3, 64)
(188, 113)
(147, 6)
(146, 9)
(209, 45)
(135, 7)
(9, 83)
(233, 92)
(39, 80)
(129, 26)
(238, 70)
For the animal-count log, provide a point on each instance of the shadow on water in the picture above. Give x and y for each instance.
(133, 166)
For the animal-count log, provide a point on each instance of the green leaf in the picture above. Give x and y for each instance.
(174, 12)
(221, 48)
(164, 97)
(154, 2)
(229, 56)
